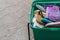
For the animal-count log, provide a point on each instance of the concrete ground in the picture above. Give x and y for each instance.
(14, 15)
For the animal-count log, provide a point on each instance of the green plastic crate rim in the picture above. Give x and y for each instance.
(46, 29)
(46, 0)
(32, 14)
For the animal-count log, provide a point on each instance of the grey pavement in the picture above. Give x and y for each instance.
(14, 16)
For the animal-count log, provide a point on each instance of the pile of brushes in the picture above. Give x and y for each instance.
(47, 16)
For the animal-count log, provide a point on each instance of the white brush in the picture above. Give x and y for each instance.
(37, 24)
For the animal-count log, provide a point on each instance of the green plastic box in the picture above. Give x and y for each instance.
(44, 33)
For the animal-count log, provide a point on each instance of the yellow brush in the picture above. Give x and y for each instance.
(38, 16)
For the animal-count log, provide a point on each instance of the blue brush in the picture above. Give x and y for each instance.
(45, 20)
